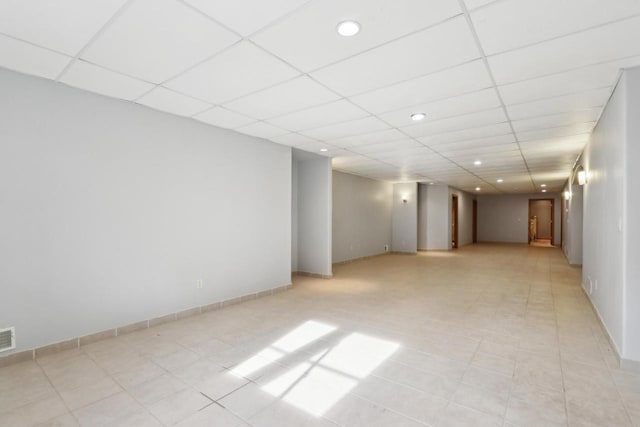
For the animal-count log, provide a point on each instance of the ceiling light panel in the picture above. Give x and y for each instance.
(262, 130)
(322, 115)
(246, 16)
(456, 81)
(507, 25)
(341, 130)
(441, 47)
(456, 106)
(224, 118)
(294, 95)
(561, 104)
(453, 124)
(568, 82)
(556, 120)
(26, 58)
(316, 43)
(96, 79)
(238, 71)
(172, 102)
(157, 39)
(62, 25)
(600, 44)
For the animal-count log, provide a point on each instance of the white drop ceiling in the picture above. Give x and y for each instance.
(517, 84)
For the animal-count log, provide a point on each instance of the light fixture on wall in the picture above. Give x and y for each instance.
(567, 195)
(582, 177)
(405, 198)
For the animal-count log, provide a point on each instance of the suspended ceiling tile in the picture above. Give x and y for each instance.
(453, 124)
(155, 40)
(497, 130)
(321, 115)
(568, 82)
(224, 118)
(387, 146)
(173, 102)
(507, 25)
(238, 71)
(341, 130)
(90, 77)
(440, 47)
(575, 129)
(287, 97)
(596, 98)
(486, 99)
(475, 143)
(65, 26)
(456, 81)
(262, 130)
(308, 38)
(292, 139)
(387, 135)
(556, 120)
(234, 14)
(590, 47)
(26, 58)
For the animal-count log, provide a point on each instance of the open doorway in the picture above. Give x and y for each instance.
(541, 222)
(454, 221)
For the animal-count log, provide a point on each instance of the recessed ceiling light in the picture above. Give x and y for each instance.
(324, 150)
(477, 188)
(544, 191)
(543, 185)
(477, 163)
(348, 28)
(499, 180)
(416, 117)
(431, 183)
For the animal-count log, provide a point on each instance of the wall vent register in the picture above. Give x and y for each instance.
(7, 339)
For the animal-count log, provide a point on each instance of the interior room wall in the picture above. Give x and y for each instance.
(465, 217)
(404, 231)
(314, 184)
(435, 214)
(504, 217)
(294, 214)
(572, 224)
(362, 211)
(111, 212)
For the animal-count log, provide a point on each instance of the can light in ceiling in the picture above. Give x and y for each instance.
(543, 185)
(416, 117)
(477, 188)
(499, 180)
(348, 28)
(477, 162)
(324, 150)
(544, 191)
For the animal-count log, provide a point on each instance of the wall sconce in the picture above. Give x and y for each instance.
(567, 195)
(405, 198)
(582, 177)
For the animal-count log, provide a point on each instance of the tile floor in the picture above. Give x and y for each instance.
(489, 335)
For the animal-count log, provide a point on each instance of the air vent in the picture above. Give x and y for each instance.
(7, 339)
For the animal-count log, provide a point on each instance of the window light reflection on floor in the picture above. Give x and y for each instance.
(316, 384)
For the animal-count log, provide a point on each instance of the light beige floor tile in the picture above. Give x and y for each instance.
(108, 410)
(179, 406)
(481, 400)
(33, 413)
(459, 416)
(157, 389)
(86, 394)
(247, 401)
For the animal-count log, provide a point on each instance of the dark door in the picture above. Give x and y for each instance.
(454, 222)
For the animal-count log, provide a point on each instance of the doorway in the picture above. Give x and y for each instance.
(454, 222)
(541, 222)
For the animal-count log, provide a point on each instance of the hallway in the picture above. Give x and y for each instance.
(487, 335)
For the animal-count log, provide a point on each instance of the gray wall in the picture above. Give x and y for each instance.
(112, 211)
(313, 175)
(361, 216)
(504, 217)
(572, 225)
(294, 213)
(404, 230)
(437, 211)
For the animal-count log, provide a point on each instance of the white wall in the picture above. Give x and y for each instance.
(112, 211)
(423, 222)
(572, 225)
(404, 231)
(603, 252)
(314, 213)
(294, 214)
(465, 217)
(631, 217)
(504, 217)
(361, 216)
(435, 215)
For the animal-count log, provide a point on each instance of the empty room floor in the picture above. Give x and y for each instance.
(488, 335)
